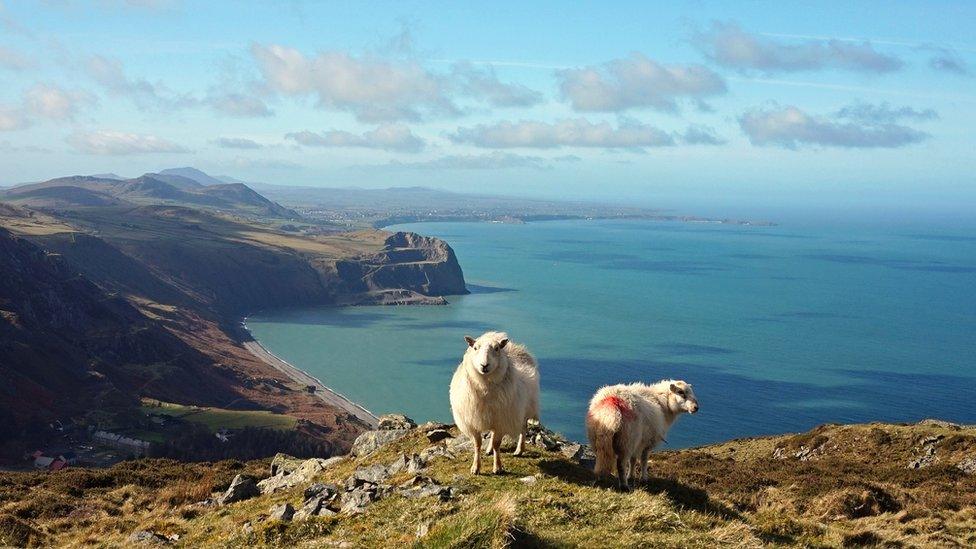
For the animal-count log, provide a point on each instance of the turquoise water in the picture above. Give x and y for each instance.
(778, 328)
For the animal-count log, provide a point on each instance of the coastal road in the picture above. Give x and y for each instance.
(327, 395)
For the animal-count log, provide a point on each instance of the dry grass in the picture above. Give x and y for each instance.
(856, 492)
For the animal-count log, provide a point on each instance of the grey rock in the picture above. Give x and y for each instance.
(248, 528)
(404, 463)
(327, 491)
(421, 486)
(531, 479)
(282, 511)
(356, 501)
(459, 445)
(240, 488)
(303, 474)
(373, 474)
(316, 506)
(940, 423)
(431, 425)
(927, 451)
(369, 441)
(573, 451)
(284, 464)
(423, 529)
(147, 538)
(967, 465)
(437, 435)
(394, 422)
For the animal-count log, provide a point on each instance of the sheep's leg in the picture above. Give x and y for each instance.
(476, 465)
(491, 443)
(623, 464)
(520, 446)
(496, 444)
(645, 455)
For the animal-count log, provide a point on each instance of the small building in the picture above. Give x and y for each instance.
(57, 465)
(69, 457)
(43, 462)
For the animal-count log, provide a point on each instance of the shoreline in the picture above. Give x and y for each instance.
(299, 376)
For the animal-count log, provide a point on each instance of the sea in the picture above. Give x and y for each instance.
(778, 328)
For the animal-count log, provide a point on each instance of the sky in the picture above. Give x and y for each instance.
(841, 104)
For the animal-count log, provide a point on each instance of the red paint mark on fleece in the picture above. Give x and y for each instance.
(621, 406)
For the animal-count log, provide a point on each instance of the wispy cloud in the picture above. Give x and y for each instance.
(111, 75)
(790, 127)
(237, 143)
(115, 143)
(637, 82)
(491, 161)
(729, 45)
(388, 137)
(577, 132)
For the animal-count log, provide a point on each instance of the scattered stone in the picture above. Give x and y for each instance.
(431, 452)
(940, 423)
(373, 474)
(369, 441)
(146, 537)
(423, 529)
(319, 489)
(927, 449)
(531, 479)
(355, 502)
(411, 464)
(284, 464)
(240, 488)
(393, 422)
(248, 528)
(459, 445)
(282, 512)
(316, 506)
(967, 465)
(421, 486)
(303, 474)
(431, 425)
(437, 435)
(573, 451)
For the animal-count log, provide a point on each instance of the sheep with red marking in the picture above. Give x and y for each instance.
(626, 422)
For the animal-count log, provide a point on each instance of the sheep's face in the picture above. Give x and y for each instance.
(683, 397)
(485, 352)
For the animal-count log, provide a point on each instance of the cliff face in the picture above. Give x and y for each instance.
(408, 261)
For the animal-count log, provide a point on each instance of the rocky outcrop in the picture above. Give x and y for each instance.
(240, 488)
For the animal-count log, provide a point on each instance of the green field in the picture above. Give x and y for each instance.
(219, 418)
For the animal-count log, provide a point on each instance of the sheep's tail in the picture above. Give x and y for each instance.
(603, 424)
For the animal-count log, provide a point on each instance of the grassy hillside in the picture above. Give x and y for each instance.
(856, 485)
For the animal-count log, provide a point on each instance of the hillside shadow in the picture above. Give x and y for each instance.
(689, 497)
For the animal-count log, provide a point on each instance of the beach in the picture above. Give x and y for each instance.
(327, 395)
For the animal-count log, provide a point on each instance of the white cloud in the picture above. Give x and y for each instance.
(14, 60)
(883, 113)
(389, 137)
(730, 46)
(12, 119)
(637, 82)
(492, 161)
(55, 102)
(237, 143)
(107, 142)
(789, 127)
(701, 135)
(110, 74)
(484, 84)
(373, 89)
(240, 105)
(577, 132)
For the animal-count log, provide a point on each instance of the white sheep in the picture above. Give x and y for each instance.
(496, 390)
(626, 422)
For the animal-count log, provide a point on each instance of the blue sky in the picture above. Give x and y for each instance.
(672, 103)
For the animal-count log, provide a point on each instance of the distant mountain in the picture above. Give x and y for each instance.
(169, 188)
(108, 175)
(195, 175)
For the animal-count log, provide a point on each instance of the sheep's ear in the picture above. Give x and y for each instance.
(674, 388)
(503, 343)
(470, 341)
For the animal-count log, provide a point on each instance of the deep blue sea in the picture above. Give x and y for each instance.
(778, 328)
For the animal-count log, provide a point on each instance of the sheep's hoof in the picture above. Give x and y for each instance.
(474, 469)
(498, 471)
(518, 452)
(623, 488)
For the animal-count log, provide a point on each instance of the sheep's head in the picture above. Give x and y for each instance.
(485, 353)
(682, 397)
